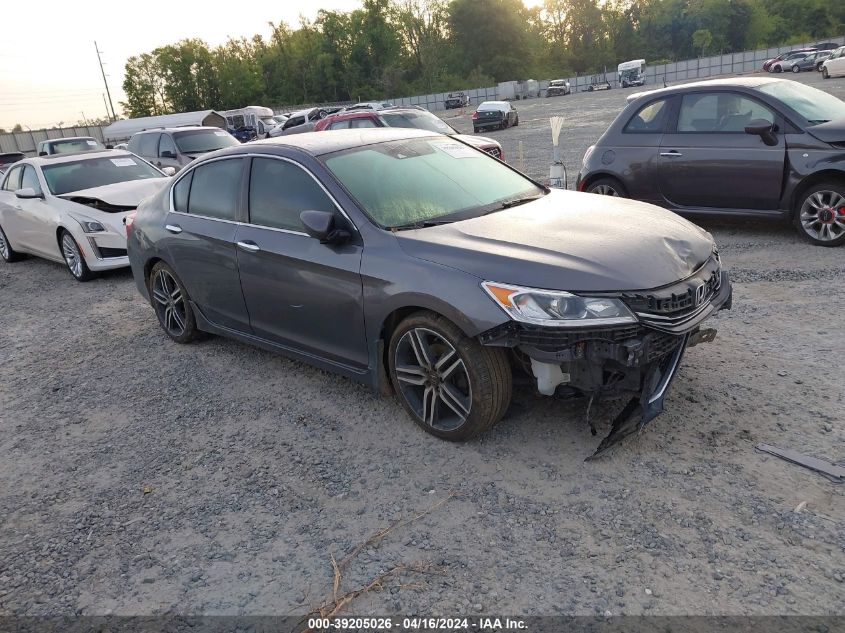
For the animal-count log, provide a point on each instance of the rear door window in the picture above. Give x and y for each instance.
(180, 193)
(650, 119)
(216, 189)
(148, 145)
(279, 191)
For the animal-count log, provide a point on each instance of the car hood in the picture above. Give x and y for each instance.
(120, 194)
(830, 132)
(569, 241)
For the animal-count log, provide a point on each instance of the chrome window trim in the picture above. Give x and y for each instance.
(187, 171)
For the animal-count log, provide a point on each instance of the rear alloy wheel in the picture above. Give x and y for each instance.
(608, 187)
(171, 304)
(451, 385)
(73, 258)
(821, 214)
(6, 251)
(796, 69)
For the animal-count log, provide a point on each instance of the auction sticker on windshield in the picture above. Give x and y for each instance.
(456, 150)
(123, 162)
(221, 133)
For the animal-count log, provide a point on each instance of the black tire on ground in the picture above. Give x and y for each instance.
(819, 214)
(172, 305)
(825, 73)
(483, 378)
(505, 124)
(778, 69)
(516, 121)
(8, 254)
(74, 259)
(607, 186)
(796, 69)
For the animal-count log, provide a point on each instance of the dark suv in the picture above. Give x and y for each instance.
(754, 146)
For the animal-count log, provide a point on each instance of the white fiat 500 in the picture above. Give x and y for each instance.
(70, 208)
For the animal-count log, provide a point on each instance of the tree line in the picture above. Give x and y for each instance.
(397, 47)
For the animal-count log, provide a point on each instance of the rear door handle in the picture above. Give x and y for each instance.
(173, 228)
(250, 247)
(672, 154)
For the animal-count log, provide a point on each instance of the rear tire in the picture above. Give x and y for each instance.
(452, 386)
(608, 186)
(796, 69)
(8, 254)
(819, 214)
(172, 304)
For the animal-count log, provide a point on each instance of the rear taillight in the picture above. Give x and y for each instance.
(475, 115)
(128, 221)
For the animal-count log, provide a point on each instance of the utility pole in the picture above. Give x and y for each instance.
(107, 106)
(82, 112)
(96, 48)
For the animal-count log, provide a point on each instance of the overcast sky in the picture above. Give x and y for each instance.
(48, 65)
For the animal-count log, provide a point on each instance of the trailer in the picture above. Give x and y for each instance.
(123, 130)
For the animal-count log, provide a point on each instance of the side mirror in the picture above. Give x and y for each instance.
(109, 146)
(42, 153)
(764, 129)
(168, 154)
(170, 171)
(27, 193)
(320, 225)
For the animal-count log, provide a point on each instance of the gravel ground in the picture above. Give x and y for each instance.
(143, 477)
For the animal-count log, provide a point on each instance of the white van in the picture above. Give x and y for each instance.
(258, 118)
(631, 73)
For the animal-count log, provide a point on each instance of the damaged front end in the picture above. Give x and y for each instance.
(639, 358)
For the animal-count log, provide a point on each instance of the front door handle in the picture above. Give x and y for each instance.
(173, 228)
(250, 247)
(673, 154)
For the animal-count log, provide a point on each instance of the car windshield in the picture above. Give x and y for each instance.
(813, 104)
(96, 172)
(416, 181)
(75, 145)
(419, 120)
(201, 141)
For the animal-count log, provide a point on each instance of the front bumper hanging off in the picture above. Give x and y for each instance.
(640, 360)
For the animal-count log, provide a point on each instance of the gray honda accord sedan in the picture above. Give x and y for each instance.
(422, 266)
(754, 146)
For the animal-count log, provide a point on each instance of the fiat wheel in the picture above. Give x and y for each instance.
(451, 385)
(820, 214)
(608, 187)
(73, 257)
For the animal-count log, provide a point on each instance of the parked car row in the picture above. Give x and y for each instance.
(753, 146)
(799, 59)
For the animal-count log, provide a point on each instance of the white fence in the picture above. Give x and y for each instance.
(702, 68)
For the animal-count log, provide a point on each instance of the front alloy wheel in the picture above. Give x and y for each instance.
(451, 385)
(822, 214)
(74, 259)
(6, 251)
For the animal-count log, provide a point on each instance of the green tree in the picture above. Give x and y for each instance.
(17, 128)
(701, 40)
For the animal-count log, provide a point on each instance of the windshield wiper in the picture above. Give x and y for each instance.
(419, 225)
(818, 121)
(518, 201)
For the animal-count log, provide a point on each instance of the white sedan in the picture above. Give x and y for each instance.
(70, 208)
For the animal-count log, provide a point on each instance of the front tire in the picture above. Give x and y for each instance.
(825, 73)
(172, 305)
(73, 257)
(608, 187)
(8, 254)
(778, 69)
(451, 385)
(820, 214)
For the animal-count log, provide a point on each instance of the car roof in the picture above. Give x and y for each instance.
(179, 129)
(733, 82)
(319, 143)
(56, 159)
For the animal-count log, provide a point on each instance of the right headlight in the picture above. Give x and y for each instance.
(557, 308)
